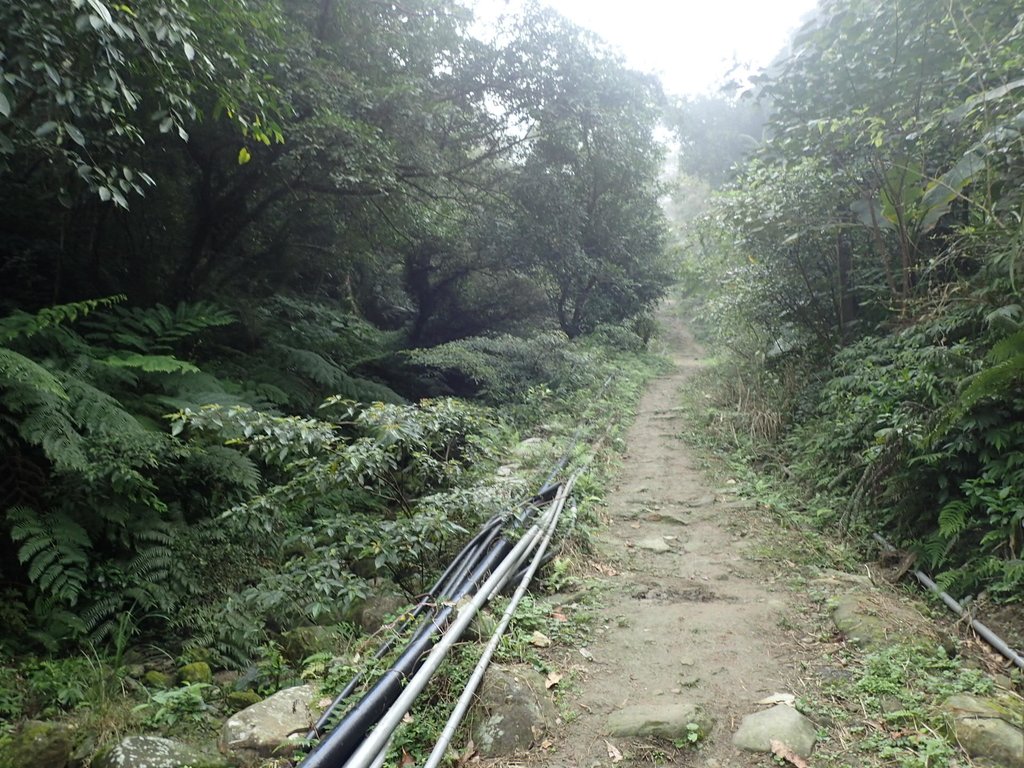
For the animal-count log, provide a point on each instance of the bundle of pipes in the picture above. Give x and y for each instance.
(507, 550)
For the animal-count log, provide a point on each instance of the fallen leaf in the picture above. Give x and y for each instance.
(407, 718)
(558, 616)
(634, 525)
(586, 654)
(779, 698)
(552, 679)
(540, 640)
(407, 759)
(782, 751)
(613, 752)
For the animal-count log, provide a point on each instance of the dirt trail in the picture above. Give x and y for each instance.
(697, 623)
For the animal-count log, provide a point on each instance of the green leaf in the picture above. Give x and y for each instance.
(5, 105)
(943, 190)
(76, 135)
(244, 156)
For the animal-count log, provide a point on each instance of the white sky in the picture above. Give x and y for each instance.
(689, 44)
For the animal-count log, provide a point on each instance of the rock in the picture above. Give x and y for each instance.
(872, 621)
(238, 700)
(196, 672)
(157, 679)
(704, 501)
(654, 544)
(781, 722)
(990, 729)
(226, 678)
(673, 518)
(302, 642)
(513, 710)
(275, 725)
(155, 752)
(38, 744)
(377, 610)
(668, 722)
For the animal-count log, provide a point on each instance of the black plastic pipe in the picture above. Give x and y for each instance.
(343, 740)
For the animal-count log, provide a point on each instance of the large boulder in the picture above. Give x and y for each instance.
(38, 744)
(673, 722)
(196, 672)
(275, 726)
(155, 752)
(378, 608)
(513, 710)
(302, 642)
(780, 723)
(988, 729)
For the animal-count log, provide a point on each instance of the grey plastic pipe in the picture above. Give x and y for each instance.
(987, 634)
(364, 756)
(466, 699)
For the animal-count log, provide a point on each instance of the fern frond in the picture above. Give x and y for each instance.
(230, 467)
(97, 412)
(15, 368)
(149, 363)
(47, 423)
(55, 549)
(953, 518)
(1008, 348)
(23, 324)
(157, 328)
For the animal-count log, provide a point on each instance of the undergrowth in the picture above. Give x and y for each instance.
(263, 503)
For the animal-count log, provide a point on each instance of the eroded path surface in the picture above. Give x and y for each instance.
(686, 618)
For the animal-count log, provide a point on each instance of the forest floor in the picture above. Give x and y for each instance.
(704, 600)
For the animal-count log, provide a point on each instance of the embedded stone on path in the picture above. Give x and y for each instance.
(988, 729)
(513, 712)
(654, 544)
(673, 518)
(155, 752)
(667, 722)
(703, 501)
(780, 723)
(276, 725)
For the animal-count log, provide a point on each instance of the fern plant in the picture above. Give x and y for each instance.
(96, 487)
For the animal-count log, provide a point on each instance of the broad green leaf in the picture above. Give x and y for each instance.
(76, 135)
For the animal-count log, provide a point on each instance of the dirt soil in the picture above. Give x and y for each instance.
(716, 619)
(698, 623)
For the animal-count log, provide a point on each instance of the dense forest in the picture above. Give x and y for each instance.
(860, 262)
(283, 281)
(224, 226)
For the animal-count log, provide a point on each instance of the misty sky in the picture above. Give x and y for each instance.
(690, 44)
